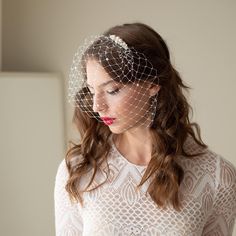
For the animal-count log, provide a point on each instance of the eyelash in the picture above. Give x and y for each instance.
(114, 92)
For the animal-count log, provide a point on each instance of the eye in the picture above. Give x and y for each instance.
(113, 92)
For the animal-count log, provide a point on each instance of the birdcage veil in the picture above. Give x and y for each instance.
(131, 72)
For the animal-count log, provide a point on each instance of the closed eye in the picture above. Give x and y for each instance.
(113, 92)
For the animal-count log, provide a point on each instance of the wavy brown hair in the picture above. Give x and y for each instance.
(169, 131)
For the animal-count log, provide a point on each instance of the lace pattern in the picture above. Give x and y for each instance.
(208, 194)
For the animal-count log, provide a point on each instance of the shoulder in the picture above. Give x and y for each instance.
(62, 166)
(224, 171)
(62, 172)
(225, 188)
(209, 168)
(226, 174)
(209, 161)
(63, 169)
(62, 175)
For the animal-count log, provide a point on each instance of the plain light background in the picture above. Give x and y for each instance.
(0, 34)
(42, 36)
(32, 144)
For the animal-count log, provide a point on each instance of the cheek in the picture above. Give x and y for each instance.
(138, 98)
(131, 103)
(120, 104)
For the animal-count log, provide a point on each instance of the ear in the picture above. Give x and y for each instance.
(154, 89)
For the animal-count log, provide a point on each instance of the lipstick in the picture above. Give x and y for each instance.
(108, 120)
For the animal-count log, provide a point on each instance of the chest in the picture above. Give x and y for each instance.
(119, 208)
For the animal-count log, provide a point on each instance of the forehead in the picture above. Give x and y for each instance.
(96, 74)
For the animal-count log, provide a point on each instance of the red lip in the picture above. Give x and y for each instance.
(108, 120)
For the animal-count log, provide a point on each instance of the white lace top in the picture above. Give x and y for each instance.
(208, 195)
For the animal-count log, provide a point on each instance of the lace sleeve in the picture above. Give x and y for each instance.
(222, 218)
(68, 220)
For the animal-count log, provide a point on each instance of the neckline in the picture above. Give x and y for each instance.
(123, 157)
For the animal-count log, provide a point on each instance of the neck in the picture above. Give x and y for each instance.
(135, 145)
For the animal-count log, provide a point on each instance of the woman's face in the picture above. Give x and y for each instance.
(120, 106)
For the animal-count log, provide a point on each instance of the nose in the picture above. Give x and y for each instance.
(99, 104)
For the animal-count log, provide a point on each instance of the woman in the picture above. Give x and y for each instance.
(141, 167)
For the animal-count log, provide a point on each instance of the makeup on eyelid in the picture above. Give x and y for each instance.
(112, 91)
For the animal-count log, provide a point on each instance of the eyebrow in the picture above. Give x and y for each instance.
(103, 84)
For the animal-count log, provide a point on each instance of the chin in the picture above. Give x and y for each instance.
(119, 130)
(116, 131)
